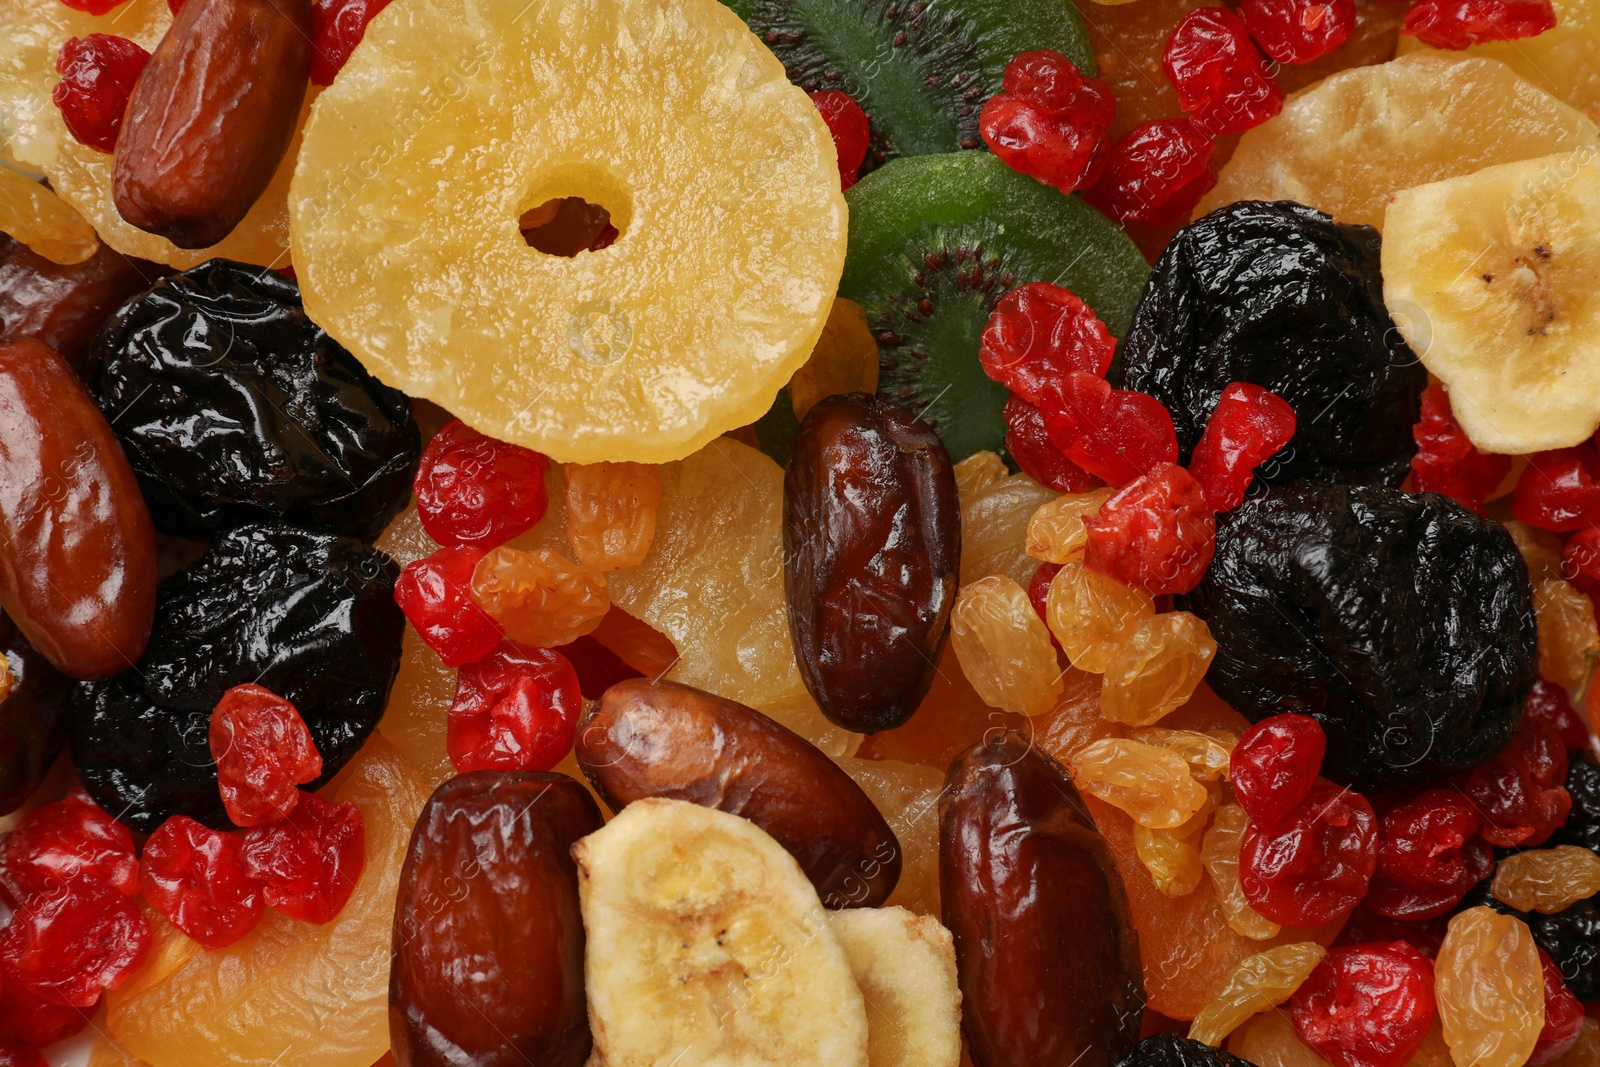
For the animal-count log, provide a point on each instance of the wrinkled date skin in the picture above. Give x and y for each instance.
(64, 306)
(872, 548)
(78, 569)
(488, 938)
(1046, 952)
(211, 117)
(33, 718)
(660, 739)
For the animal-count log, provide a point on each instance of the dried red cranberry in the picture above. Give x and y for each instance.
(1275, 764)
(1428, 858)
(1563, 1016)
(1548, 703)
(1222, 80)
(308, 864)
(1580, 560)
(1156, 174)
(98, 73)
(1446, 461)
(436, 595)
(1366, 1005)
(1248, 426)
(1314, 865)
(65, 844)
(476, 490)
(1457, 24)
(1520, 793)
(1560, 490)
(1365, 925)
(1050, 122)
(26, 1018)
(1157, 534)
(195, 876)
(68, 947)
(337, 26)
(1029, 444)
(263, 750)
(598, 668)
(851, 131)
(1038, 333)
(1298, 31)
(515, 710)
(16, 1054)
(1114, 434)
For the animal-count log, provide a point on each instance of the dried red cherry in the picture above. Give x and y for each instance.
(1275, 764)
(68, 947)
(1563, 1015)
(16, 1054)
(1114, 434)
(1366, 925)
(309, 863)
(1428, 858)
(1457, 24)
(1156, 173)
(1559, 490)
(195, 876)
(1314, 865)
(1029, 444)
(1050, 121)
(67, 843)
(1157, 534)
(1446, 461)
(26, 1018)
(1298, 31)
(264, 751)
(337, 26)
(1548, 703)
(1222, 81)
(1366, 1005)
(850, 129)
(1520, 793)
(515, 710)
(436, 595)
(1037, 333)
(98, 73)
(1580, 559)
(1248, 426)
(475, 490)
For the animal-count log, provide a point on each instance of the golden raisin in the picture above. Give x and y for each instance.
(1569, 641)
(845, 359)
(611, 512)
(1092, 614)
(1056, 533)
(1004, 648)
(1157, 669)
(978, 472)
(541, 597)
(1153, 785)
(1172, 857)
(1221, 855)
(1206, 753)
(1269, 1040)
(1547, 880)
(1490, 989)
(1257, 983)
(1541, 549)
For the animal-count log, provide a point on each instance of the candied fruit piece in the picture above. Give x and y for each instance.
(1458, 24)
(309, 863)
(40, 219)
(1029, 443)
(1489, 984)
(436, 595)
(1172, 856)
(1367, 1005)
(1520, 793)
(1563, 1015)
(1221, 854)
(1248, 427)
(337, 26)
(195, 877)
(1156, 669)
(264, 750)
(1569, 640)
(978, 472)
(514, 710)
(1314, 865)
(1446, 461)
(1256, 984)
(540, 598)
(1269, 1040)
(1092, 615)
(1549, 704)
(1298, 31)
(68, 947)
(1157, 534)
(1559, 490)
(1222, 80)
(1275, 764)
(1056, 533)
(65, 843)
(1039, 332)
(1153, 785)
(1428, 858)
(611, 513)
(1548, 880)
(1004, 647)
(844, 360)
(1050, 121)
(851, 132)
(1114, 434)
(1205, 753)
(474, 490)
(1156, 174)
(98, 73)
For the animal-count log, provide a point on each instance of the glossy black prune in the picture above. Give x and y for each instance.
(1402, 622)
(1583, 786)
(1282, 296)
(234, 407)
(33, 718)
(1571, 937)
(1171, 1050)
(309, 616)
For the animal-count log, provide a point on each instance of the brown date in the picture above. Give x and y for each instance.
(33, 718)
(488, 939)
(872, 549)
(64, 306)
(211, 117)
(1046, 953)
(77, 551)
(660, 739)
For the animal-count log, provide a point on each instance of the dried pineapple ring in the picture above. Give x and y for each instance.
(453, 118)
(42, 221)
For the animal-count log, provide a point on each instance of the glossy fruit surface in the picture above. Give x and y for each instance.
(1038, 332)
(516, 709)
(1313, 866)
(1156, 173)
(1093, 615)
(1170, 1050)
(64, 306)
(1563, 1016)
(1050, 121)
(1156, 670)
(1446, 461)
(1456, 25)
(1275, 765)
(194, 876)
(436, 595)
(1520, 793)
(1056, 533)
(1547, 880)
(34, 215)
(1152, 784)
(1489, 984)
(1117, 435)
(1248, 427)
(1004, 647)
(1428, 857)
(540, 598)
(611, 513)
(474, 490)
(1222, 80)
(1028, 441)
(67, 947)
(263, 752)
(67, 843)
(849, 127)
(1367, 1005)
(1560, 490)
(1257, 984)
(1156, 534)
(337, 27)
(1298, 31)
(98, 73)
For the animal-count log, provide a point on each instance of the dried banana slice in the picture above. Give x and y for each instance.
(905, 965)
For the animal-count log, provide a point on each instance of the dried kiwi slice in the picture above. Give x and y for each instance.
(935, 241)
(920, 68)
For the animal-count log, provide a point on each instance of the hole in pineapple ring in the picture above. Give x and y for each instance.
(574, 209)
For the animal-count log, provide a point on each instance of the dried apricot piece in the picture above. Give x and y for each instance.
(845, 360)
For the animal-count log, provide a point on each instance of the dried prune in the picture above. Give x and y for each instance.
(1403, 623)
(488, 938)
(1571, 937)
(1172, 1050)
(234, 407)
(33, 718)
(1281, 296)
(1045, 949)
(1583, 786)
(309, 616)
(871, 548)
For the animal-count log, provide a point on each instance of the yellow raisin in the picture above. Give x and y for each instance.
(1569, 641)
(1206, 753)
(1153, 785)
(1490, 989)
(978, 472)
(1269, 1040)
(1172, 857)
(1056, 533)
(1255, 984)
(1541, 549)
(611, 513)
(994, 528)
(1221, 855)
(541, 597)
(1547, 880)
(845, 359)
(1092, 615)
(1155, 671)
(1004, 648)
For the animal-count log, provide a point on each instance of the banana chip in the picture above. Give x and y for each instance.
(905, 965)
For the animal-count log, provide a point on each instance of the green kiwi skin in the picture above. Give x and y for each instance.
(959, 231)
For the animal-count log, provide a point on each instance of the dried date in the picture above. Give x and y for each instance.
(64, 306)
